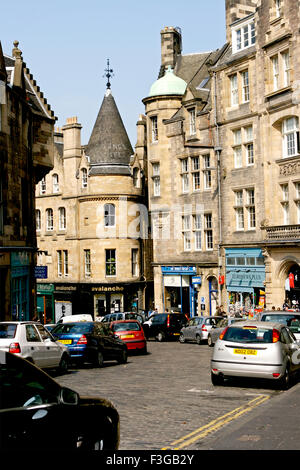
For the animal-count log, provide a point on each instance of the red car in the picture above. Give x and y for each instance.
(132, 333)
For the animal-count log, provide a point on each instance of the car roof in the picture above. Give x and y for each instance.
(256, 323)
(281, 312)
(126, 321)
(21, 322)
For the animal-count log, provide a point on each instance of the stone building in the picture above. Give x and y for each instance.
(223, 172)
(257, 112)
(26, 155)
(183, 180)
(88, 221)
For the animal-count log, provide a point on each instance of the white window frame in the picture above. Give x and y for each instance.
(234, 90)
(66, 263)
(43, 186)
(154, 128)
(38, 218)
(134, 262)
(62, 218)
(186, 232)
(197, 219)
(109, 215)
(245, 86)
(156, 179)
(208, 230)
(192, 114)
(87, 263)
(243, 36)
(290, 137)
(55, 183)
(275, 72)
(49, 220)
(59, 263)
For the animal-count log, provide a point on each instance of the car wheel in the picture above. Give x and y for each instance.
(160, 336)
(198, 339)
(63, 365)
(107, 440)
(181, 338)
(99, 359)
(285, 381)
(209, 341)
(123, 358)
(217, 379)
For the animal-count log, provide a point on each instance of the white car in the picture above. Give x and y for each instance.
(33, 342)
(256, 349)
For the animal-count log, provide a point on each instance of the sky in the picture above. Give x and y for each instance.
(66, 44)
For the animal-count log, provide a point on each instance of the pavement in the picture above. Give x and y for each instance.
(273, 426)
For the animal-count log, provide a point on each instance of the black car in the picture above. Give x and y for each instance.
(37, 413)
(92, 342)
(164, 326)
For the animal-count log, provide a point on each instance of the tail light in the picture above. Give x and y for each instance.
(223, 333)
(168, 321)
(14, 348)
(275, 336)
(204, 328)
(82, 340)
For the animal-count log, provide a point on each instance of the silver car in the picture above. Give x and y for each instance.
(256, 349)
(198, 329)
(216, 330)
(290, 319)
(33, 342)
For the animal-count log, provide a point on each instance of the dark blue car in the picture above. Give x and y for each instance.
(91, 342)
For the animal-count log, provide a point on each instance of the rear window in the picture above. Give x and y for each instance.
(73, 328)
(249, 335)
(7, 330)
(290, 320)
(159, 318)
(176, 319)
(130, 326)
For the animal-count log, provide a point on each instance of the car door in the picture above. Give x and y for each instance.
(53, 351)
(34, 347)
(189, 329)
(289, 346)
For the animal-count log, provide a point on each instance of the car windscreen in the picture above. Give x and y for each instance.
(291, 320)
(130, 326)
(73, 328)
(7, 330)
(249, 335)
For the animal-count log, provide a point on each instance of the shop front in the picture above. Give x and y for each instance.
(114, 298)
(20, 284)
(45, 302)
(179, 289)
(245, 280)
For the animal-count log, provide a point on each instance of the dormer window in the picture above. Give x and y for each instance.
(243, 36)
(278, 8)
(192, 113)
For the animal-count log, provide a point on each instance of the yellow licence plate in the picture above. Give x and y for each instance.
(127, 336)
(65, 341)
(249, 352)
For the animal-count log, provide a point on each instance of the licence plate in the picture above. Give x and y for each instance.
(127, 336)
(176, 334)
(65, 341)
(249, 352)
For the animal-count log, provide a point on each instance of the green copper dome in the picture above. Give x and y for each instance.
(169, 84)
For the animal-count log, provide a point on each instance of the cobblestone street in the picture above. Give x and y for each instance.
(164, 395)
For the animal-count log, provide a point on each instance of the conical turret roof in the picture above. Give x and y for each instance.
(109, 148)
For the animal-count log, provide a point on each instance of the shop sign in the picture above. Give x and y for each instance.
(188, 270)
(20, 258)
(41, 272)
(108, 289)
(245, 279)
(197, 280)
(45, 288)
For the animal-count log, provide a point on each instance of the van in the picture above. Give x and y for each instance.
(72, 318)
(165, 326)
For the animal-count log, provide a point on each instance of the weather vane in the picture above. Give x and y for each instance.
(108, 74)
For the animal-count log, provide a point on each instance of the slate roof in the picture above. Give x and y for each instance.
(109, 148)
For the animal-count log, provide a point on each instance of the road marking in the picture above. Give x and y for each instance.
(216, 424)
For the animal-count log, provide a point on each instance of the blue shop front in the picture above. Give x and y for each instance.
(178, 289)
(245, 279)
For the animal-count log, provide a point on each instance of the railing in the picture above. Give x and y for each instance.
(283, 232)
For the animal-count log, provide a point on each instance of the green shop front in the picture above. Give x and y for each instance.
(245, 280)
(45, 302)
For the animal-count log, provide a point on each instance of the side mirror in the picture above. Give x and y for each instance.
(68, 396)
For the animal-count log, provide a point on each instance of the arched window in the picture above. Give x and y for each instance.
(43, 186)
(290, 137)
(135, 175)
(55, 183)
(38, 219)
(109, 215)
(49, 219)
(62, 219)
(84, 178)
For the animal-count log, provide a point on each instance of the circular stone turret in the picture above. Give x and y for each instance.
(169, 84)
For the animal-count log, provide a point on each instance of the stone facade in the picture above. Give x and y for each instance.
(93, 246)
(26, 150)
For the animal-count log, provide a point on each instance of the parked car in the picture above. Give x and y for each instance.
(73, 318)
(290, 319)
(255, 349)
(36, 413)
(50, 326)
(197, 329)
(33, 342)
(92, 342)
(218, 328)
(122, 316)
(132, 333)
(165, 326)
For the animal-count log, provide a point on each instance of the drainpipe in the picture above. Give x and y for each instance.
(218, 150)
